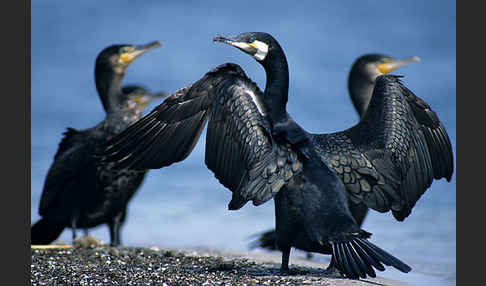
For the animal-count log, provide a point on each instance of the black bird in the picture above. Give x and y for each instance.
(361, 81)
(141, 95)
(79, 191)
(259, 152)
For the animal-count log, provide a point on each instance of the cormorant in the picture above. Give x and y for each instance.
(361, 81)
(256, 150)
(79, 192)
(141, 95)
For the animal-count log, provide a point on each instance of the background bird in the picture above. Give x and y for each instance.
(259, 152)
(79, 192)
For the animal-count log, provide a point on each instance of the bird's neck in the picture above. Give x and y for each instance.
(277, 86)
(364, 99)
(360, 90)
(108, 85)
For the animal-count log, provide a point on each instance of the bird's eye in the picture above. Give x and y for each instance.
(123, 50)
(251, 40)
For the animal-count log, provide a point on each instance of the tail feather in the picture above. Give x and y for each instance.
(367, 258)
(336, 257)
(355, 263)
(267, 240)
(363, 265)
(346, 263)
(387, 258)
(356, 258)
(45, 231)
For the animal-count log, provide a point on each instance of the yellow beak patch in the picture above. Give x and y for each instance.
(254, 45)
(126, 58)
(385, 68)
(392, 64)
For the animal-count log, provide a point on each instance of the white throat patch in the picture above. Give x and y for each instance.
(262, 50)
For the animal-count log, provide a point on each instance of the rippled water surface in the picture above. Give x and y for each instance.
(184, 205)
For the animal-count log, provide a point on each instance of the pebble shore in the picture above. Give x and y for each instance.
(105, 265)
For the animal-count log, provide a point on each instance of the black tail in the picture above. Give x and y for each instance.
(45, 231)
(356, 258)
(267, 240)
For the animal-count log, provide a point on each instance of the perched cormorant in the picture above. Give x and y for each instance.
(79, 192)
(256, 150)
(361, 81)
(141, 95)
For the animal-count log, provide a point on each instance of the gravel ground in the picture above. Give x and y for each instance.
(104, 265)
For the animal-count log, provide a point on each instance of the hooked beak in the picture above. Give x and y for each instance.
(247, 48)
(394, 64)
(222, 39)
(139, 50)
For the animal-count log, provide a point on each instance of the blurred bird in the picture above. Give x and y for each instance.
(256, 150)
(361, 82)
(79, 192)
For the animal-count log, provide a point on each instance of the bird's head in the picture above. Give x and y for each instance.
(256, 44)
(364, 72)
(140, 96)
(370, 66)
(110, 67)
(118, 57)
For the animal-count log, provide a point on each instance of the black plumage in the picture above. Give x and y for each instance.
(259, 152)
(361, 82)
(79, 191)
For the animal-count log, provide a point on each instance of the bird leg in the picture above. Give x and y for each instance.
(331, 269)
(115, 230)
(284, 268)
(73, 227)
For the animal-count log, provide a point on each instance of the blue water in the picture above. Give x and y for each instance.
(184, 205)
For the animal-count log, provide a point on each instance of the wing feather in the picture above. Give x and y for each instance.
(438, 142)
(392, 156)
(239, 148)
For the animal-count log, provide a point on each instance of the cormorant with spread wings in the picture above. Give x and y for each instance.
(259, 152)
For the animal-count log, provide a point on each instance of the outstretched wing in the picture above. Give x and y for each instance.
(391, 157)
(71, 159)
(438, 142)
(166, 135)
(239, 148)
